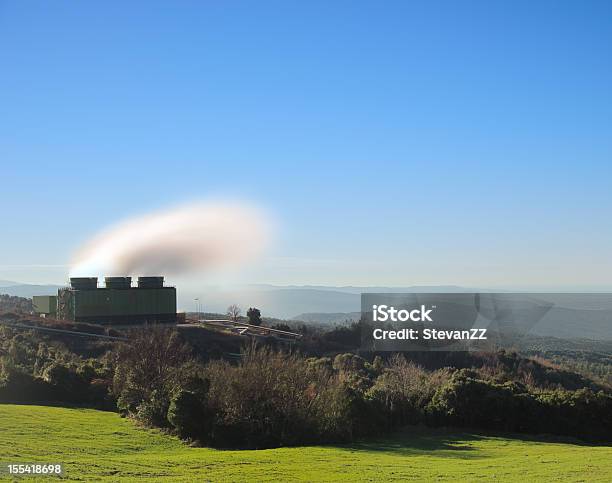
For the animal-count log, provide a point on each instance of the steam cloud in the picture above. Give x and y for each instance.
(190, 238)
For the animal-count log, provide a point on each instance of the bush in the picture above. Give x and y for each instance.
(19, 386)
(187, 414)
(467, 401)
(68, 382)
(404, 389)
(153, 411)
(272, 398)
(582, 413)
(147, 371)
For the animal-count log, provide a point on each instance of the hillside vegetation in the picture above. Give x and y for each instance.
(268, 397)
(122, 451)
(9, 303)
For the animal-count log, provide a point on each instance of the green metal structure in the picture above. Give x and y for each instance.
(45, 304)
(118, 302)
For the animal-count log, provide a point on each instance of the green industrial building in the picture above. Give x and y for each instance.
(117, 302)
(45, 305)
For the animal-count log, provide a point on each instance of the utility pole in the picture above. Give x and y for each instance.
(197, 301)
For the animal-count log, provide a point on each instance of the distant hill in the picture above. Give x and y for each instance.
(375, 289)
(279, 302)
(28, 291)
(569, 323)
(329, 318)
(288, 301)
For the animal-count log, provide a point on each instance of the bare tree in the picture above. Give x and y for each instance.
(233, 312)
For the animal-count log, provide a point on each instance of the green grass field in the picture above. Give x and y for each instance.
(96, 445)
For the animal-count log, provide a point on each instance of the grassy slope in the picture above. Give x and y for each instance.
(99, 445)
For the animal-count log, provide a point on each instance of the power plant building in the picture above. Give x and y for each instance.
(118, 302)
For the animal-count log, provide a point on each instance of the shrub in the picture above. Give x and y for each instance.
(272, 398)
(404, 389)
(153, 411)
(19, 386)
(187, 414)
(582, 413)
(467, 401)
(147, 371)
(68, 382)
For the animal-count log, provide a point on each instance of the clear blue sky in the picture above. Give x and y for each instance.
(396, 142)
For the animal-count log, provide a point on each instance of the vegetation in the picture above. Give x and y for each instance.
(254, 316)
(271, 396)
(233, 312)
(9, 303)
(34, 370)
(589, 363)
(121, 451)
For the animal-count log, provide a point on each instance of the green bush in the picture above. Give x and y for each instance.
(404, 389)
(153, 411)
(582, 413)
(72, 385)
(188, 415)
(272, 398)
(19, 386)
(467, 401)
(147, 371)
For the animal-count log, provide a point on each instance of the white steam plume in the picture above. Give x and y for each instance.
(190, 238)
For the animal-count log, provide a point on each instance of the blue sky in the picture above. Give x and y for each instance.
(396, 143)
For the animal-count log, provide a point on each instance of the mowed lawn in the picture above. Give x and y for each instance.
(95, 445)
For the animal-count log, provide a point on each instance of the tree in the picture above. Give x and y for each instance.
(148, 368)
(233, 312)
(254, 316)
